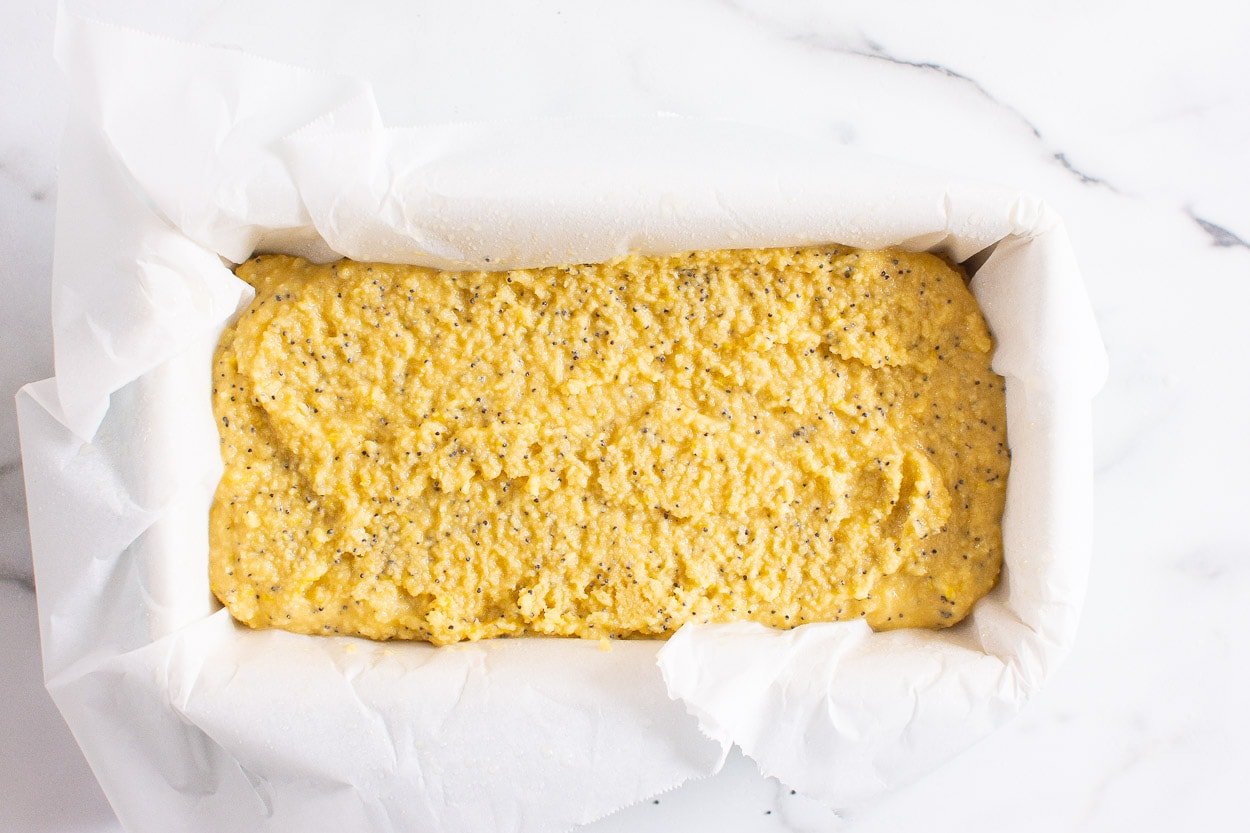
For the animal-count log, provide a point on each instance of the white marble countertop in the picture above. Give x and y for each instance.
(1135, 126)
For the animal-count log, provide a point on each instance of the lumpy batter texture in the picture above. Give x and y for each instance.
(610, 450)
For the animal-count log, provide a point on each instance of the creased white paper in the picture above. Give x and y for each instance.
(179, 158)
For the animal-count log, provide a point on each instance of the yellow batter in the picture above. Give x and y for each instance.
(783, 435)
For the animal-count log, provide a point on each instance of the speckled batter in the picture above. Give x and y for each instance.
(784, 436)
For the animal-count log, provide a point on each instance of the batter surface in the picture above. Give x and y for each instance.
(783, 435)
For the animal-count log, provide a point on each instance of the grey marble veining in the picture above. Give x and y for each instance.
(15, 568)
(32, 107)
(1133, 126)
